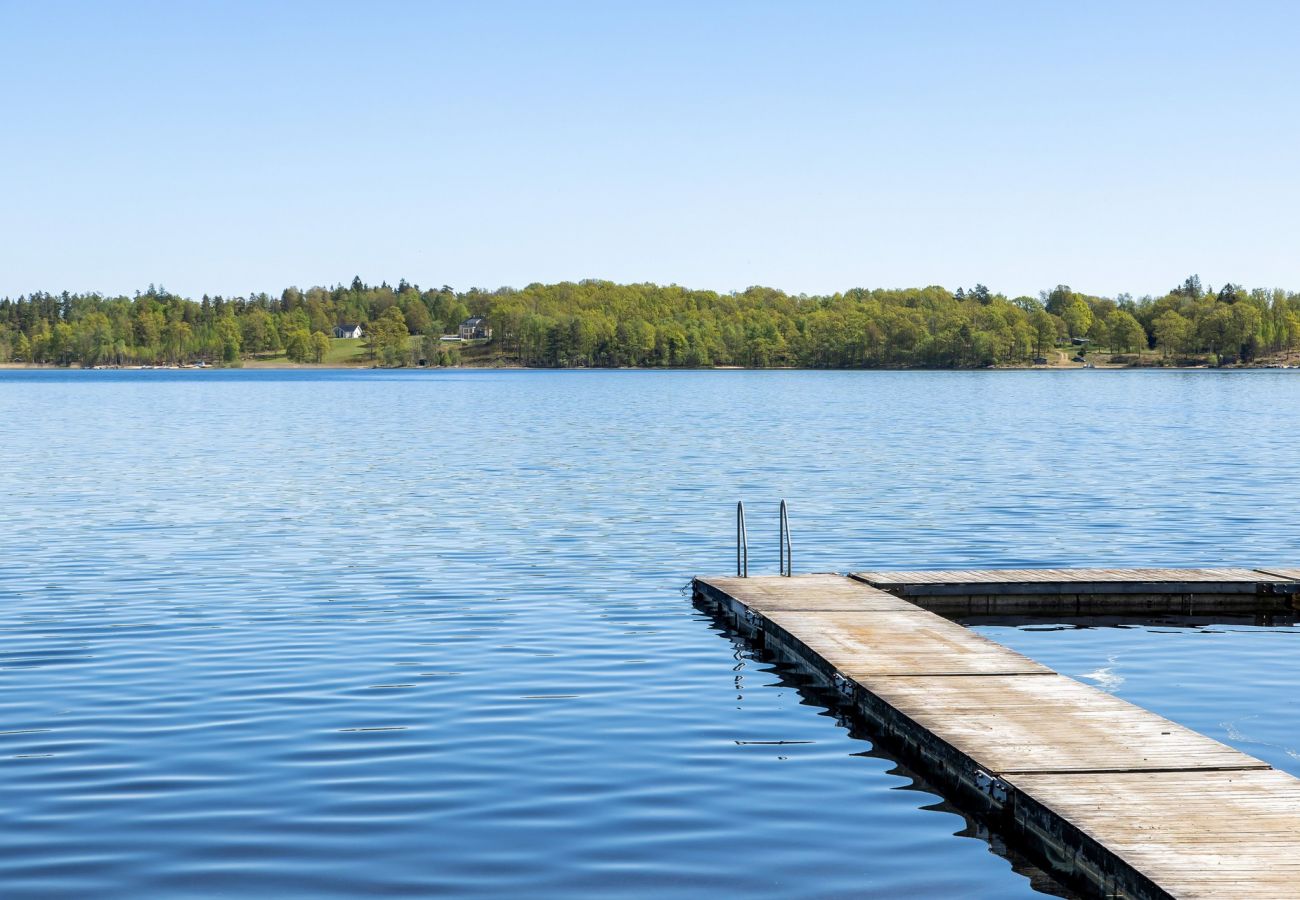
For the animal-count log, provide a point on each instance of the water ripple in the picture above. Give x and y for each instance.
(336, 634)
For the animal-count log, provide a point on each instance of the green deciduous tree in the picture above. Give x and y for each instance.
(320, 345)
(1045, 330)
(418, 320)
(1078, 318)
(229, 339)
(388, 338)
(1171, 332)
(298, 346)
(1125, 332)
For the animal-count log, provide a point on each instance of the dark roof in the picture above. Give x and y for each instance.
(475, 320)
(349, 326)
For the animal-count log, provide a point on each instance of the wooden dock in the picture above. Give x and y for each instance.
(1094, 591)
(1108, 797)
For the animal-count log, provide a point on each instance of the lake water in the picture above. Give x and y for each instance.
(406, 633)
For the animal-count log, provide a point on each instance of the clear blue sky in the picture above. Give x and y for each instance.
(231, 147)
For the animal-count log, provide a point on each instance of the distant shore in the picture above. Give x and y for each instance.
(601, 324)
(282, 365)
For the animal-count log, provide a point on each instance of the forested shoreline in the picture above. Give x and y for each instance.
(603, 324)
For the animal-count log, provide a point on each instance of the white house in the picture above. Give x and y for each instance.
(348, 330)
(474, 328)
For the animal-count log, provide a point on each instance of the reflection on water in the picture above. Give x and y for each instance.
(327, 634)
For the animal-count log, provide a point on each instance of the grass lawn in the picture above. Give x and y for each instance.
(345, 352)
(342, 352)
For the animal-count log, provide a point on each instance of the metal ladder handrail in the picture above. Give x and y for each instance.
(787, 560)
(742, 542)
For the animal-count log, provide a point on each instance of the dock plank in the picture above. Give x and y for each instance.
(1285, 573)
(1051, 724)
(861, 644)
(1195, 834)
(1071, 580)
(808, 592)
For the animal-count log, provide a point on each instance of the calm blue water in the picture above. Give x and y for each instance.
(407, 633)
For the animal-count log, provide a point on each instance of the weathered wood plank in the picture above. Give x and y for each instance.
(1050, 724)
(997, 580)
(1284, 573)
(1195, 834)
(807, 592)
(861, 644)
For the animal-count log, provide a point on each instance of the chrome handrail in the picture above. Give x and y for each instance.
(787, 560)
(742, 542)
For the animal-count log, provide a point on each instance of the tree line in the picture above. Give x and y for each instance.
(600, 323)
